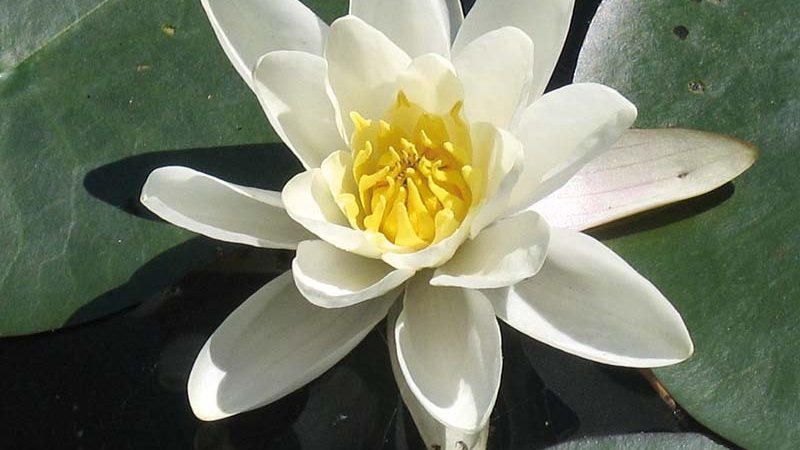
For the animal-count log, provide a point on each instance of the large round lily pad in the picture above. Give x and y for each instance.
(92, 98)
(642, 441)
(731, 67)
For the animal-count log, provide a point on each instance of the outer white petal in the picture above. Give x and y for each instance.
(646, 169)
(496, 70)
(220, 210)
(416, 26)
(431, 82)
(332, 278)
(308, 201)
(564, 130)
(274, 343)
(500, 154)
(455, 12)
(291, 88)
(448, 349)
(502, 255)
(247, 29)
(434, 433)
(363, 65)
(545, 21)
(589, 302)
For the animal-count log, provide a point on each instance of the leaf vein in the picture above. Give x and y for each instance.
(56, 36)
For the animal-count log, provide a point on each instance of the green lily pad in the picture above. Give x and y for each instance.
(643, 441)
(91, 102)
(730, 67)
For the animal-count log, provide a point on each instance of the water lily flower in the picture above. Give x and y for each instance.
(427, 141)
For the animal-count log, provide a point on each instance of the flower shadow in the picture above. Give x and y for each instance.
(267, 166)
(152, 279)
(675, 212)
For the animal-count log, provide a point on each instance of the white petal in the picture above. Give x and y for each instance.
(496, 70)
(332, 278)
(455, 12)
(503, 166)
(646, 169)
(545, 21)
(291, 88)
(363, 65)
(416, 26)
(589, 302)
(308, 201)
(431, 82)
(433, 255)
(433, 433)
(337, 169)
(272, 344)
(503, 254)
(564, 130)
(220, 210)
(448, 349)
(248, 29)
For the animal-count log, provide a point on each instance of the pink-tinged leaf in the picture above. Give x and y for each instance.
(646, 169)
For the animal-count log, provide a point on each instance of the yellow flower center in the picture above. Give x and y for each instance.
(413, 174)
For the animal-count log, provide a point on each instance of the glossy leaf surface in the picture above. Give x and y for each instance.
(642, 441)
(92, 102)
(728, 261)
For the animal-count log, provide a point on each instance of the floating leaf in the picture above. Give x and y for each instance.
(91, 102)
(643, 441)
(732, 269)
(25, 29)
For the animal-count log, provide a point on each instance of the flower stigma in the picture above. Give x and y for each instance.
(412, 176)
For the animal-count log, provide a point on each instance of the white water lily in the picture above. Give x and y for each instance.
(427, 141)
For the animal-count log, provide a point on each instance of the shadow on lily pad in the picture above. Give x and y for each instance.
(665, 215)
(265, 166)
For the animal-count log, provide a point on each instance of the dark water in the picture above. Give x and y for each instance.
(120, 383)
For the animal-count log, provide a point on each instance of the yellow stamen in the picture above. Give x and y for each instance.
(412, 174)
